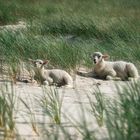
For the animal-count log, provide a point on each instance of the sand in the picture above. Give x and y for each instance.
(32, 95)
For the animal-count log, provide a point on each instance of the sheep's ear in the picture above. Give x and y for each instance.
(45, 62)
(31, 60)
(106, 56)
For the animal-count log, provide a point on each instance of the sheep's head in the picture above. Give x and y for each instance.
(98, 57)
(38, 63)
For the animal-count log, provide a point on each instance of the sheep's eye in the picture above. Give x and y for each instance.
(99, 56)
(40, 62)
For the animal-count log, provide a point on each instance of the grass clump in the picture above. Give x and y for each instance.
(119, 115)
(98, 108)
(7, 110)
(52, 104)
(123, 115)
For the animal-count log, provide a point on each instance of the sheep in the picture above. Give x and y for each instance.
(117, 70)
(51, 76)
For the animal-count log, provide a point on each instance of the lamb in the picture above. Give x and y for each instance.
(51, 76)
(117, 70)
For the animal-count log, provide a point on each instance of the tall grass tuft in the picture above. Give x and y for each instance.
(122, 115)
(52, 104)
(7, 110)
(97, 108)
(31, 116)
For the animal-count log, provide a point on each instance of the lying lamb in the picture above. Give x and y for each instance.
(118, 70)
(51, 76)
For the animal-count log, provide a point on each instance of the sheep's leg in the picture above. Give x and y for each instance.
(68, 86)
(68, 81)
(112, 76)
(48, 81)
(132, 71)
(108, 77)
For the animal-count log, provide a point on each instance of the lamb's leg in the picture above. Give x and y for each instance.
(132, 71)
(112, 76)
(68, 86)
(48, 81)
(108, 77)
(68, 81)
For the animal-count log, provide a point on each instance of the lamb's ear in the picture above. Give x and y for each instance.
(31, 60)
(106, 56)
(45, 62)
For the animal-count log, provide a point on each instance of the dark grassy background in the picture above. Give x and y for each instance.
(67, 32)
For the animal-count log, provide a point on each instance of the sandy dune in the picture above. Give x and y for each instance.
(32, 95)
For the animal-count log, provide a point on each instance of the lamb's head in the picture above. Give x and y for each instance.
(38, 63)
(98, 57)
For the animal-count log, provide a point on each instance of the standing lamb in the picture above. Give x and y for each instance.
(117, 70)
(51, 76)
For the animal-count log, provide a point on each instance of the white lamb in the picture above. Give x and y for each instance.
(51, 76)
(117, 70)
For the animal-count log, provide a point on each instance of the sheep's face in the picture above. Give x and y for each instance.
(38, 63)
(98, 57)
